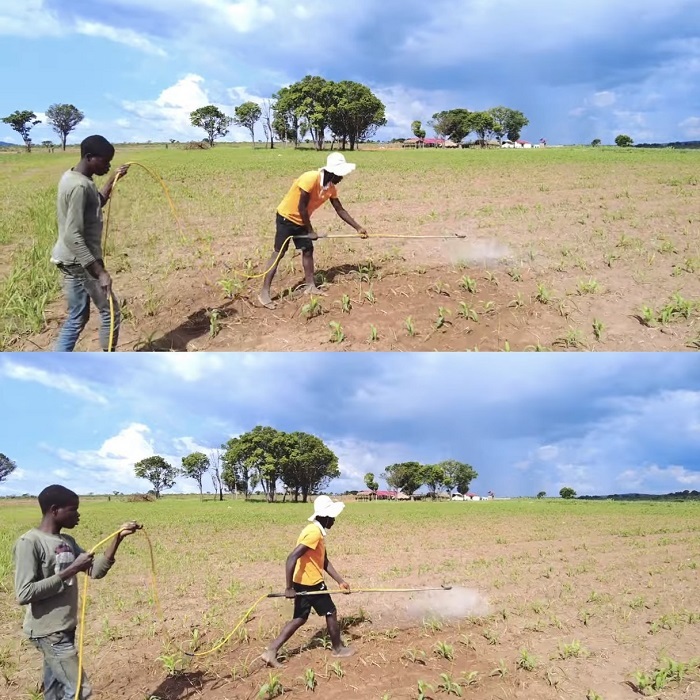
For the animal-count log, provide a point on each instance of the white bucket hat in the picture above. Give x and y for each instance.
(325, 507)
(336, 164)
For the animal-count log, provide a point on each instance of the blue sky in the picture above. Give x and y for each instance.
(579, 71)
(602, 423)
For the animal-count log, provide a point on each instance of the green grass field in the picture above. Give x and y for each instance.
(586, 600)
(565, 248)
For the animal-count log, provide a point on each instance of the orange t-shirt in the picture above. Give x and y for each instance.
(310, 566)
(310, 182)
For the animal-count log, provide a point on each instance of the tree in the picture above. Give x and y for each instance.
(596, 142)
(247, 116)
(286, 122)
(309, 465)
(195, 466)
(215, 472)
(508, 122)
(483, 124)
(7, 466)
(160, 473)
(567, 492)
(267, 119)
(623, 141)
(371, 483)
(418, 130)
(22, 122)
(255, 458)
(405, 476)
(453, 124)
(356, 113)
(212, 120)
(460, 474)
(541, 494)
(63, 119)
(435, 477)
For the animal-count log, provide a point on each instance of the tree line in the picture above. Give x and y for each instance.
(63, 118)
(347, 111)
(456, 124)
(301, 463)
(408, 477)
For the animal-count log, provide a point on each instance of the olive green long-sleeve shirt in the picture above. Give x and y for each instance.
(52, 604)
(79, 213)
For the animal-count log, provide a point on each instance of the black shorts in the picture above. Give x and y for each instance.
(287, 228)
(303, 604)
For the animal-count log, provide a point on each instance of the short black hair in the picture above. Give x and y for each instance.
(96, 146)
(56, 495)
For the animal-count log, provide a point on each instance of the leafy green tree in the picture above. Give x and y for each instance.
(160, 473)
(623, 141)
(405, 476)
(460, 474)
(567, 492)
(195, 466)
(247, 115)
(453, 124)
(370, 482)
(63, 119)
(542, 494)
(309, 465)
(285, 122)
(418, 130)
(356, 113)
(508, 122)
(435, 477)
(596, 142)
(7, 466)
(22, 121)
(212, 120)
(483, 124)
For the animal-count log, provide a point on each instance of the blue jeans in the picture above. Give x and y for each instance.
(61, 667)
(79, 288)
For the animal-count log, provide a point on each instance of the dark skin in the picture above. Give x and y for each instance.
(270, 655)
(90, 166)
(307, 256)
(60, 517)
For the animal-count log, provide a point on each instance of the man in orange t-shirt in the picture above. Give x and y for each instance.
(308, 193)
(304, 572)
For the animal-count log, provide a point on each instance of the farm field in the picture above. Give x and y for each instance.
(566, 599)
(578, 248)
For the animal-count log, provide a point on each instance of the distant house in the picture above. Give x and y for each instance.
(472, 497)
(433, 143)
(451, 144)
(520, 143)
(507, 144)
(412, 143)
(385, 495)
(457, 497)
(364, 495)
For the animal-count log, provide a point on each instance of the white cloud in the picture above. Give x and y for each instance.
(653, 474)
(547, 452)
(243, 16)
(604, 98)
(192, 368)
(169, 113)
(57, 381)
(128, 37)
(32, 18)
(691, 127)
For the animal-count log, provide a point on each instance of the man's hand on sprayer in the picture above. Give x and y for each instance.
(120, 172)
(344, 586)
(362, 232)
(129, 528)
(290, 593)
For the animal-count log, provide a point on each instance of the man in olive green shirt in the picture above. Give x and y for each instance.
(78, 250)
(47, 563)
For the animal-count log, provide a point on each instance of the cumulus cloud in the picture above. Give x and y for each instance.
(53, 380)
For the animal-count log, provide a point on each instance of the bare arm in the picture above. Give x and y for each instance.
(335, 575)
(104, 564)
(340, 211)
(106, 191)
